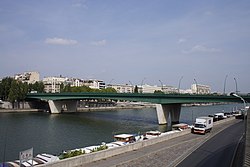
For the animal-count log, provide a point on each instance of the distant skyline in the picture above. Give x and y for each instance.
(129, 41)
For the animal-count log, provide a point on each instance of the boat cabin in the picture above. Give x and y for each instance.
(153, 133)
(180, 126)
(125, 138)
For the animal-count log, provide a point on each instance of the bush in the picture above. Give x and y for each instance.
(102, 147)
(71, 154)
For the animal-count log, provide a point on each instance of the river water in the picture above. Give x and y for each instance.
(52, 133)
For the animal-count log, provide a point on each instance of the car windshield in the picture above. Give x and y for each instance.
(199, 126)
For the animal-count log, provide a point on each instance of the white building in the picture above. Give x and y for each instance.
(95, 84)
(75, 82)
(28, 77)
(200, 89)
(149, 89)
(120, 88)
(52, 84)
(169, 89)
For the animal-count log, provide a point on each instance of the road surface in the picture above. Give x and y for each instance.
(217, 151)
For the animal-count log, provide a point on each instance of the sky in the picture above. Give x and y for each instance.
(129, 41)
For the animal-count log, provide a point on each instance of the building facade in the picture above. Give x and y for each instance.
(169, 89)
(28, 77)
(94, 84)
(200, 89)
(120, 88)
(52, 84)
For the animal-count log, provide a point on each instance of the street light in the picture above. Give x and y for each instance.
(161, 85)
(196, 86)
(132, 86)
(236, 87)
(142, 83)
(224, 90)
(245, 121)
(235, 95)
(179, 85)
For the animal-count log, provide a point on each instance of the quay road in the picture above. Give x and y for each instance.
(217, 146)
(219, 150)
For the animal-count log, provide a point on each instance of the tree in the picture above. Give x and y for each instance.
(136, 89)
(158, 92)
(13, 92)
(37, 86)
(108, 90)
(5, 88)
(24, 89)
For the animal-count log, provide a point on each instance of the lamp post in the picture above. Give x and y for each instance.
(132, 86)
(196, 86)
(244, 102)
(161, 85)
(110, 81)
(179, 85)
(142, 83)
(236, 87)
(224, 90)
(245, 134)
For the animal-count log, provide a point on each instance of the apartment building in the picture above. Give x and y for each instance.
(28, 77)
(52, 84)
(94, 83)
(122, 88)
(200, 89)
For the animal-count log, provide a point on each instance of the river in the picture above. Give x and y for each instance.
(52, 133)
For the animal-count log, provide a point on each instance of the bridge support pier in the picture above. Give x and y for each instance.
(56, 106)
(164, 110)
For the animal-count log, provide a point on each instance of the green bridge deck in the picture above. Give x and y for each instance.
(152, 98)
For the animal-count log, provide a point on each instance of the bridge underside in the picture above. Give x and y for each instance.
(165, 112)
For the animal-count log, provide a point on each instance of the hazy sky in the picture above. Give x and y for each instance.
(129, 40)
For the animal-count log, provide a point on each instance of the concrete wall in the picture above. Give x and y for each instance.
(8, 105)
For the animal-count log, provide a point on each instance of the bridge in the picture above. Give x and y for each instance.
(166, 104)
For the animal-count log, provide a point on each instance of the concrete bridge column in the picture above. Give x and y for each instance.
(175, 113)
(162, 114)
(164, 110)
(55, 106)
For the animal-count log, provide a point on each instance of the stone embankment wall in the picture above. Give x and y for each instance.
(86, 158)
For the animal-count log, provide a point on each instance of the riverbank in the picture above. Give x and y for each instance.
(91, 109)
(20, 110)
(171, 147)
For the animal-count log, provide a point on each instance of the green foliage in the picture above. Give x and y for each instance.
(136, 89)
(108, 90)
(77, 152)
(37, 86)
(158, 92)
(71, 154)
(13, 90)
(67, 88)
(5, 88)
(102, 147)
